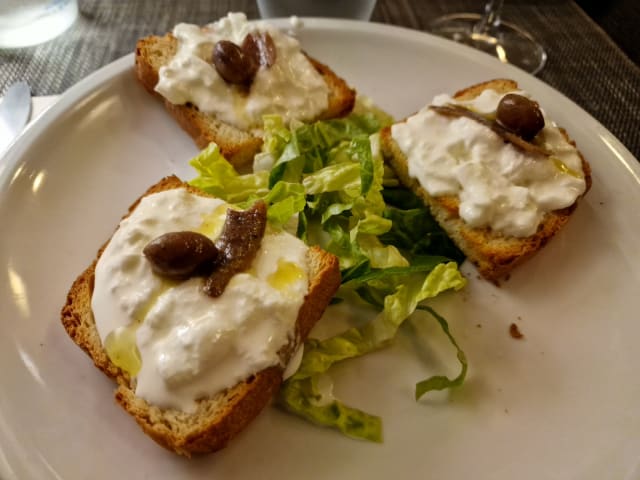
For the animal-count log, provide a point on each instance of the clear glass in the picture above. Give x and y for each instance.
(29, 22)
(356, 9)
(487, 32)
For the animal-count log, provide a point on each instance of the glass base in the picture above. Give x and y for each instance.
(507, 42)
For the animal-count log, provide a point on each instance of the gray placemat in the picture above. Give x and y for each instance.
(584, 63)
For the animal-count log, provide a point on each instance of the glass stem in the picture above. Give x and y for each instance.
(491, 18)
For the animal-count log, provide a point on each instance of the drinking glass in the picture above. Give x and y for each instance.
(487, 32)
(356, 9)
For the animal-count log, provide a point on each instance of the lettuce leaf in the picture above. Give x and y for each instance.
(334, 178)
(414, 230)
(284, 201)
(218, 177)
(306, 399)
(403, 293)
(367, 109)
(440, 382)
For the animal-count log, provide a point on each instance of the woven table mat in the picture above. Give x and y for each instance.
(584, 63)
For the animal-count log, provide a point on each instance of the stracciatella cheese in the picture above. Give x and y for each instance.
(498, 185)
(179, 343)
(291, 88)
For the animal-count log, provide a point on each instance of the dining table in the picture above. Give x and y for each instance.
(584, 62)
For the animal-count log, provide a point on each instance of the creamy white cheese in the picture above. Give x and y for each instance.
(499, 185)
(191, 345)
(292, 87)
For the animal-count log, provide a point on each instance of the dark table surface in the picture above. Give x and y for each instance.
(584, 61)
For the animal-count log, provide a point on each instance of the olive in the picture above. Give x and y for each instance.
(520, 115)
(260, 46)
(233, 64)
(180, 254)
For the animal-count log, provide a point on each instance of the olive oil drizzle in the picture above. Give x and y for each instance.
(285, 275)
(562, 167)
(121, 345)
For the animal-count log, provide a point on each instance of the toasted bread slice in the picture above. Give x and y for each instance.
(216, 420)
(493, 253)
(238, 146)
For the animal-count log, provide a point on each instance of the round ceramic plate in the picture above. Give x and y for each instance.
(561, 403)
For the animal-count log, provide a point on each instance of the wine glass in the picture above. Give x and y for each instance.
(487, 32)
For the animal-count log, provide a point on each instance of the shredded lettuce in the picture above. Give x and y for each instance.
(401, 295)
(305, 398)
(440, 382)
(366, 108)
(330, 175)
(219, 178)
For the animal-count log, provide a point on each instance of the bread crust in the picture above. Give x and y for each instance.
(493, 253)
(216, 420)
(238, 146)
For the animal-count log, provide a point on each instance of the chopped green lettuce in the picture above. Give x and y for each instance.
(366, 108)
(401, 295)
(393, 255)
(219, 178)
(440, 382)
(306, 399)
(300, 393)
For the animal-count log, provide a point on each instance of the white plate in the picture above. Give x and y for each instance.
(563, 403)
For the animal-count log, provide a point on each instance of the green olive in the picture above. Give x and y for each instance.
(520, 115)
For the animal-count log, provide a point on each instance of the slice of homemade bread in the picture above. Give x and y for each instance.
(218, 419)
(238, 146)
(493, 253)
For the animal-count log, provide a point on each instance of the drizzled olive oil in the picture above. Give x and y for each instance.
(213, 222)
(285, 275)
(120, 344)
(122, 350)
(560, 165)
